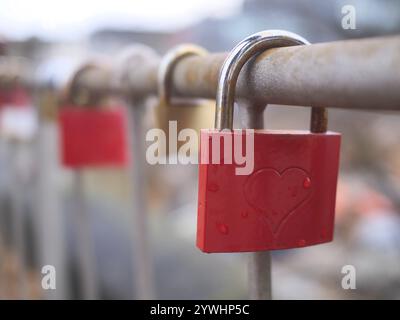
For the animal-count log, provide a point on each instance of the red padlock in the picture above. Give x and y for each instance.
(18, 118)
(17, 97)
(93, 137)
(288, 200)
(93, 133)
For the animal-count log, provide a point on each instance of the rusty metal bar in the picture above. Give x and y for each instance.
(351, 74)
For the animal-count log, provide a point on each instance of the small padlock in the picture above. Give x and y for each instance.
(93, 132)
(13, 93)
(195, 114)
(15, 97)
(288, 200)
(18, 119)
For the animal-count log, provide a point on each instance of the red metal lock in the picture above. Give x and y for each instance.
(16, 97)
(93, 131)
(18, 118)
(288, 200)
(93, 137)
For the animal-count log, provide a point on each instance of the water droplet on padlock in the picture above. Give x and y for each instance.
(223, 228)
(302, 243)
(307, 183)
(213, 187)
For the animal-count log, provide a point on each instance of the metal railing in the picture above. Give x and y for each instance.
(351, 74)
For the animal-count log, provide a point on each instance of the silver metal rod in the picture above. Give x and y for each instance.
(2, 271)
(3, 154)
(135, 57)
(17, 219)
(86, 253)
(142, 260)
(2, 255)
(259, 263)
(48, 222)
(259, 275)
(351, 74)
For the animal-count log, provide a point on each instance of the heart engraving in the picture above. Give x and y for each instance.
(276, 194)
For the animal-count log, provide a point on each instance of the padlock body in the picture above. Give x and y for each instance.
(93, 137)
(287, 201)
(194, 115)
(16, 97)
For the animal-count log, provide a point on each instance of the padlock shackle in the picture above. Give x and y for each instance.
(233, 64)
(167, 65)
(127, 64)
(95, 93)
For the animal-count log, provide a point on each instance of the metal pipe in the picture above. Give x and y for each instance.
(259, 275)
(133, 58)
(142, 253)
(86, 247)
(350, 74)
(48, 222)
(18, 219)
(259, 263)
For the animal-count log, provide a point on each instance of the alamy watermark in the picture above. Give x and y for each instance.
(49, 277)
(349, 17)
(238, 148)
(349, 280)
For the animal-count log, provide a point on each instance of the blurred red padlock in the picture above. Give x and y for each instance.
(14, 73)
(93, 133)
(92, 138)
(288, 200)
(17, 97)
(18, 118)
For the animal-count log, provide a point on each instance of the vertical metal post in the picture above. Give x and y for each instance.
(2, 252)
(259, 275)
(48, 222)
(132, 60)
(144, 278)
(5, 251)
(17, 217)
(2, 230)
(2, 257)
(86, 254)
(259, 263)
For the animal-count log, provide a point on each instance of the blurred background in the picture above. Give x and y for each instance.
(39, 196)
